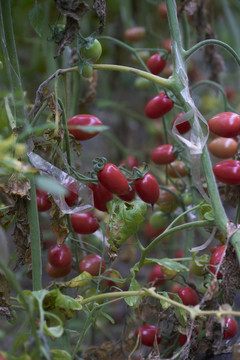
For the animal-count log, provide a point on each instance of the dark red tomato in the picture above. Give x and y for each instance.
(57, 272)
(158, 106)
(91, 263)
(183, 338)
(162, 11)
(228, 172)
(183, 127)
(167, 45)
(188, 296)
(84, 223)
(151, 233)
(156, 276)
(101, 196)
(174, 289)
(43, 202)
(147, 188)
(223, 148)
(163, 155)
(60, 256)
(156, 64)
(135, 33)
(130, 162)
(179, 167)
(130, 195)
(72, 195)
(148, 334)
(83, 120)
(231, 93)
(231, 328)
(215, 259)
(214, 248)
(226, 124)
(113, 179)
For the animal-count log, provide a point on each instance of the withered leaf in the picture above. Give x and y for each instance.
(100, 7)
(75, 145)
(5, 304)
(92, 88)
(58, 223)
(18, 184)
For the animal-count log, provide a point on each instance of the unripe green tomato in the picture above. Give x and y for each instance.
(92, 51)
(87, 71)
(89, 292)
(198, 265)
(142, 84)
(159, 219)
(187, 199)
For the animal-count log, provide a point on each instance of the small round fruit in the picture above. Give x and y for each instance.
(167, 45)
(72, 194)
(156, 64)
(162, 11)
(188, 296)
(215, 259)
(43, 202)
(87, 71)
(113, 179)
(156, 276)
(130, 162)
(135, 33)
(57, 272)
(167, 201)
(60, 256)
(84, 223)
(228, 171)
(226, 124)
(151, 233)
(182, 339)
(223, 148)
(184, 126)
(231, 328)
(92, 50)
(83, 120)
(177, 169)
(130, 195)
(92, 263)
(163, 155)
(147, 188)
(148, 334)
(101, 196)
(158, 106)
(159, 219)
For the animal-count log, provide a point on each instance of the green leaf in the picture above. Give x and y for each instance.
(179, 312)
(124, 221)
(132, 300)
(205, 211)
(165, 304)
(53, 331)
(36, 17)
(107, 316)
(167, 263)
(50, 185)
(60, 355)
(55, 300)
(20, 340)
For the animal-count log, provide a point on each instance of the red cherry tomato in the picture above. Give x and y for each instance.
(130, 195)
(43, 202)
(83, 120)
(163, 155)
(135, 33)
(113, 179)
(167, 45)
(183, 127)
(60, 256)
(101, 196)
(91, 263)
(223, 148)
(158, 106)
(179, 167)
(57, 272)
(183, 338)
(188, 296)
(226, 124)
(84, 223)
(228, 172)
(156, 64)
(156, 276)
(151, 233)
(162, 11)
(231, 328)
(147, 188)
(72, 195)
(130, 162)
(215, 259)
(148, 334)
(214, 248)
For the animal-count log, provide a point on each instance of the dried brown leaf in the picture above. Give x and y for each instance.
(75, 145)
(5, 303)
(100, 8)
(92, 88)
(58, 223)
(18, 184)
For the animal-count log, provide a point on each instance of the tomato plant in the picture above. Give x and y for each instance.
(156, 64)
(84, 223)
(92, 264)
(57, 272)
(135, 33)
(158, 106)
(60, 256)
(184, 126)
(92, 50)
(147, 188)
(156, 276)
(113, 179)
(215, 259)
(188, 296)
(81, 121)
(228, 171)
(223, 148)
(130, 162)
(226, 124)
(101, 196)
(177, 169)
(230, 328)
(163, 155)
(148, 334)
(43, 202)
(130, 195)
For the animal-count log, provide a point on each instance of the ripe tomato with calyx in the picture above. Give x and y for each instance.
(156, 64)
(156, 276)
(57, 272)
(228, 172)
(92, 263)
(188, 296)
(130, 195)
(101, 196)
(158, 106)
(147, 189)
(43, 202)
(177, 169)
(135, 33)
(60, 256)
(148, 334)
(113, 179)
(83, 120)
(230, 328)
(72, 194)
(92, 50)
(226, 124)
(215, 259)
(84, 223)
(163, 155)
(184, 126)
(223, 147)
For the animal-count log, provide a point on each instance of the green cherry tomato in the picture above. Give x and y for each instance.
(187, 199)
(92, 50)
(159, 219)
(87, 71)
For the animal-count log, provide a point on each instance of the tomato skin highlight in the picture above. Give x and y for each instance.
(135, 33)
(148, 334)
(156, 64)
(113, 179)
(163, 155)
(158, 106)
(147, 188)
(228, 171)
(215, 259)
(183, 127)
(57, 272)
(101, 196)
(60, 256)
(91, 263)
(83, 120)
(43, 203)
(84, 223)
(156, 276)
(226, 124)
(223, 148)
(188, 296)
(231, 328)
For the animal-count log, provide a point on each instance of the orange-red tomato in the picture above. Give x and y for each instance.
(135, 33)
(179, 167)
(226, 124)
(223, 148)
(167, 45)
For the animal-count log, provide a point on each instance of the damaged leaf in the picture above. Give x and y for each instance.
(100, 8)
(58, 223)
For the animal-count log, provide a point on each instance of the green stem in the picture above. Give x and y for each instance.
(85, 329)
(185, 28)
(66, 134)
